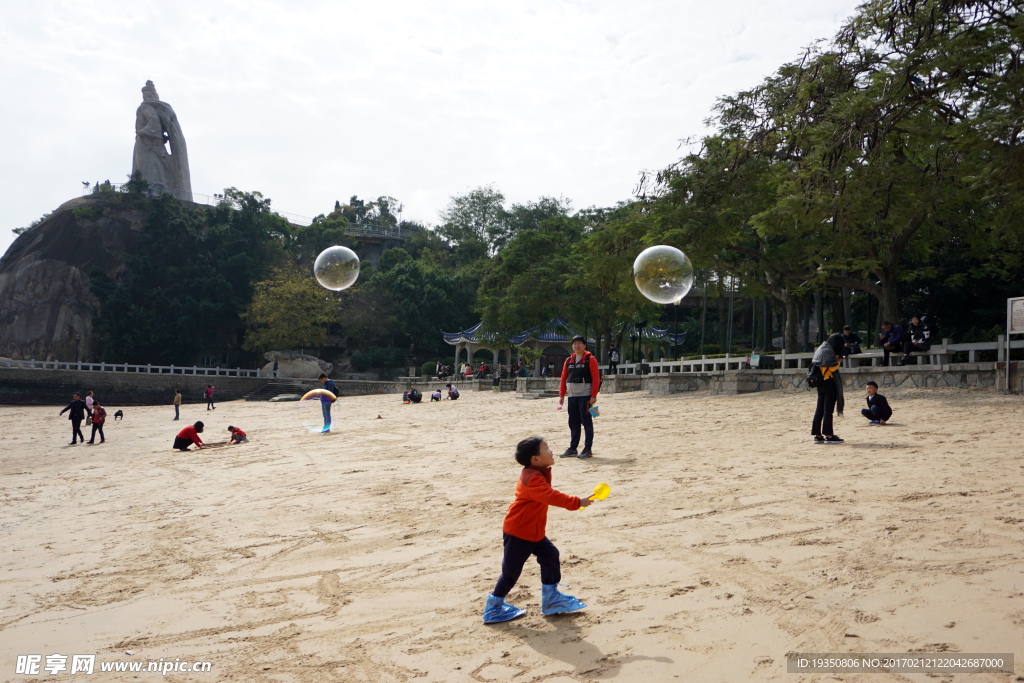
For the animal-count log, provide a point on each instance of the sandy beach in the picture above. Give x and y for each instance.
(729, 539)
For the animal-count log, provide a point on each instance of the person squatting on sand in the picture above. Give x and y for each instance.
(237, 435)
(524, 534)
(827, 357)
(581, 380)
(453, 392)
(188, 436)
(878, 410)
(77, 414)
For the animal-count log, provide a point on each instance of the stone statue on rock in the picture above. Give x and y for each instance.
(156, 125)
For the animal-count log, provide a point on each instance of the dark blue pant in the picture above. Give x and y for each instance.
(325, 407)
(96, 428)
(875, 413)
(176, 412)
(517, 552)
(579, 414)
(76, 430)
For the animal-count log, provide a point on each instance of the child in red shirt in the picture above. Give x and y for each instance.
(237, 435)
(524, 534)
(188, 436)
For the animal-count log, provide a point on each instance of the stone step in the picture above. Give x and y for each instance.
(538, 394)
(272, 389)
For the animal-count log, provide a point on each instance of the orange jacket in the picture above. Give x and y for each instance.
(527, 516)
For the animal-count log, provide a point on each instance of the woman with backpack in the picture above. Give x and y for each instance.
(824, 376)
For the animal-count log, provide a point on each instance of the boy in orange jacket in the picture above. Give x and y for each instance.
(524, 534)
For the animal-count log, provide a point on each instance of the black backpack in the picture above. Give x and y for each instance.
(814, 377)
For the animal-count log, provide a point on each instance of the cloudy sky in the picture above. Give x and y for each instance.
(309, 102)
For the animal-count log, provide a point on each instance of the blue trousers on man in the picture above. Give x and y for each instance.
(874, 414)
(579, 415)
(325, 406)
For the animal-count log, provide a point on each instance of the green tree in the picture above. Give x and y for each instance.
(190, 278)
(288, 310)
(478, 216)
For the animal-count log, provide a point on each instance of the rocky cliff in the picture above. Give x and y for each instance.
(45, 303)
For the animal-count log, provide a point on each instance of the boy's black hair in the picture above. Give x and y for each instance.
(230, 428)
(448, 386)
(322, 376)
(579, 337)
(199, 426)
(847, 327)
(526, 449)
(886, 323)
(873, 384)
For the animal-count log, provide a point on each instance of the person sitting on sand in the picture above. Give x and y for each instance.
(237, 435)
(436, 396)
(188, 436)
(878, 410)
(412, 396)
(453, 392)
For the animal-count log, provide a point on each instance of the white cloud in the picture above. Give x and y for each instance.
(311, 102)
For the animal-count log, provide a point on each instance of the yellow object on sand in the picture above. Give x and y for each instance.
(601, 491)
(317, 393)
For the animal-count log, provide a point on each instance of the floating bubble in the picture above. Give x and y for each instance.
(336, 268)
(310, 411)
(663, 274)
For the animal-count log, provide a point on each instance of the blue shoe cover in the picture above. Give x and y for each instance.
(497, 610)
(556, 603)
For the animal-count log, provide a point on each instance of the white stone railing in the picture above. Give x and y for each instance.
(84, 366)
(941, 354)
(199, 198)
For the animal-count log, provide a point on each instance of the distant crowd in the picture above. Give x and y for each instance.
(483, 371)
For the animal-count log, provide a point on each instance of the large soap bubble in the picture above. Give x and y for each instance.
(310, 412)
(336, 268)
(663, 274)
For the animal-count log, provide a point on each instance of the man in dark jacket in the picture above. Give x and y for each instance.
(77, 408)
(920, 339)
(892, 340)
(852, 340)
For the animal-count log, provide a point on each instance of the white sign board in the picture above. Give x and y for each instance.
(1016, 315)
(1014, 325)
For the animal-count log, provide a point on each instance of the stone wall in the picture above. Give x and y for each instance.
(54, 387)
(978, 375)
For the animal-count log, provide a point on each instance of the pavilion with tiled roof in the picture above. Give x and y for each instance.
(553, 339)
